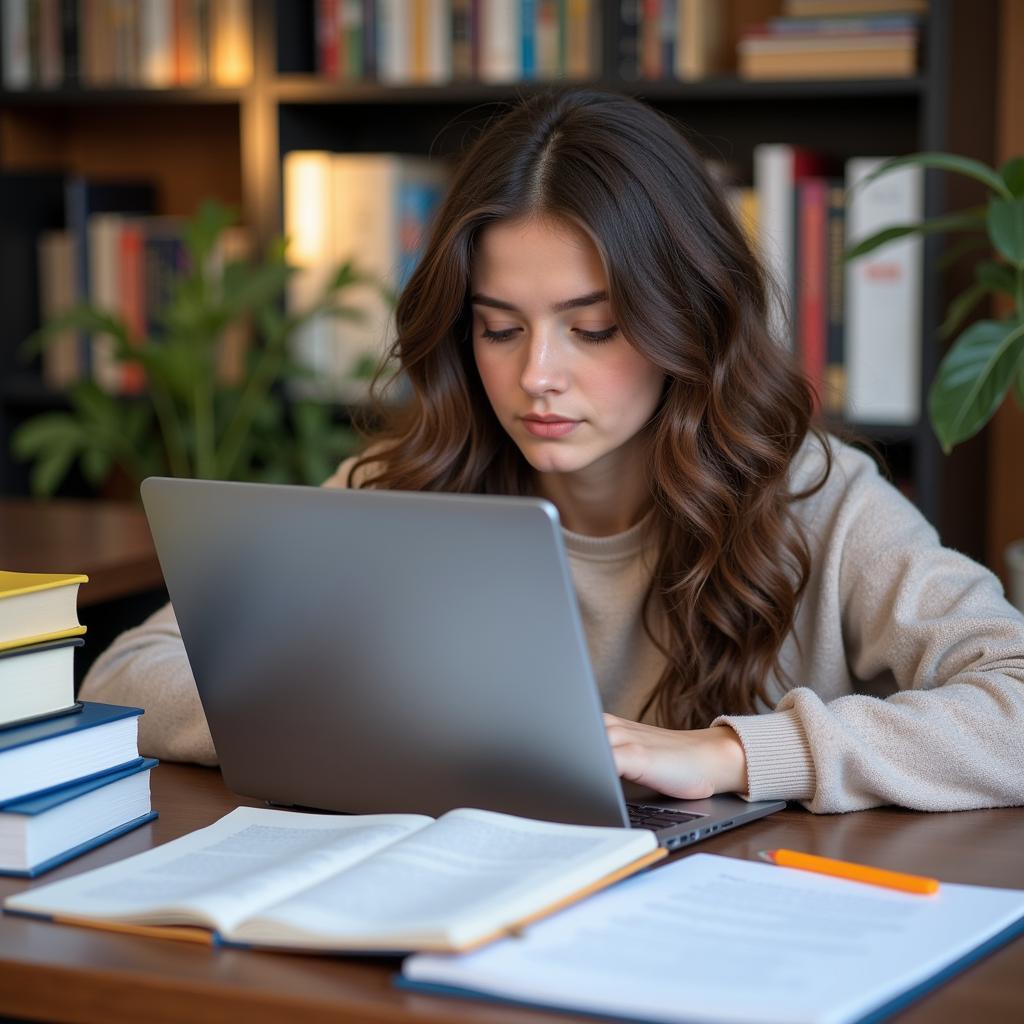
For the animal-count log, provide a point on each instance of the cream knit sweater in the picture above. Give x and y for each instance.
(906, 661)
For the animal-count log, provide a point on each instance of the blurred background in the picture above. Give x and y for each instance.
(154, 155)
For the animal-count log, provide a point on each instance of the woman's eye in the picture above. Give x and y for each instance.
(499, 335)
(604, 335)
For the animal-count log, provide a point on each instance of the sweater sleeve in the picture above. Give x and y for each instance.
(952, 736)
(147, 667)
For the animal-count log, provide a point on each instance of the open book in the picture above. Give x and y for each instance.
(381, 882)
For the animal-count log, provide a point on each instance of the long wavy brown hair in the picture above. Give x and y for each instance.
(731, 562)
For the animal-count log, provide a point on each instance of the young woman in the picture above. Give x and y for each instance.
(765, 614)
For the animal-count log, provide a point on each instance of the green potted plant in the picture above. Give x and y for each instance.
(986, 359)
(187, 423)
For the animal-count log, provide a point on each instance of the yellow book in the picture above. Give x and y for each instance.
(38, 606)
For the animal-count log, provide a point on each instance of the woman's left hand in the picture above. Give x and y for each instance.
(687, 764)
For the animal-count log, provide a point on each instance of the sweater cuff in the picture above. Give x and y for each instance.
(779, 763)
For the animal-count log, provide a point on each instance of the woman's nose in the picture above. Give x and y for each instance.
(544, 370)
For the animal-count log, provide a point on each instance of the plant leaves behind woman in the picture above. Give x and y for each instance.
(987, 359)
(187, 423)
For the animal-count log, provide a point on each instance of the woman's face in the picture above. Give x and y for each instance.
(563, 381)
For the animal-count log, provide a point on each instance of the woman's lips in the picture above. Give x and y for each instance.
(549, 427)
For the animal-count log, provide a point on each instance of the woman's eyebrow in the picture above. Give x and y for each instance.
(559, 307)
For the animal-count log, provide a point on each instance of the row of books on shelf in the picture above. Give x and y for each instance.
(434, 41)
(71, 777)
(843, 39)
(855, 327)
(374, 209)
(99, 241)
(48, 44)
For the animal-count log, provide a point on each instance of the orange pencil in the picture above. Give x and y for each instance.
(854, 872)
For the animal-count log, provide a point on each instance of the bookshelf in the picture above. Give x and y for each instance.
(230, 143)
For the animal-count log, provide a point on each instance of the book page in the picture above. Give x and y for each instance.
(218, 875)
(464, 875)
(716, 939)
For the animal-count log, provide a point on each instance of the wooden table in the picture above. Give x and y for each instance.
(55, 972)
(108, 541)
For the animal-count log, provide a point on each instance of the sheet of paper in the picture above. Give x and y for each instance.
(249, 858)
(716, 939)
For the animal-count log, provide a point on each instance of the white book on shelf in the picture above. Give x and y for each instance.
(500, 41)
(883, 297)
(16, 55)
(156, 43)
(394, 41)
(308, 216)
(439, 41)
(773, 180)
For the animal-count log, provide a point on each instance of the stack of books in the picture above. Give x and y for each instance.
(70, 773)
(835, 39)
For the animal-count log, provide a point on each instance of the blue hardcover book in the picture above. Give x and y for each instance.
(38, 833)
(528, 27)
(41, 756)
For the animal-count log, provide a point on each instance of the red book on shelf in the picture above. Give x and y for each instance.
(327, 38)
(133, 302)
(812, 213)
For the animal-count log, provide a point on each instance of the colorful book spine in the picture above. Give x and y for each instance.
(835, 360)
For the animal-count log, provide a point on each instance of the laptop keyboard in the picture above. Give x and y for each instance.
(655, 818)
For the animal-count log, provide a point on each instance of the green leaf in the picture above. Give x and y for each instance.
(1006, 227)
(973, 379)
(996, 277)
(50, 430)
(964, 220)
(943, 162)
(1012, 172)
(96, 463)
(50, 470)
(960, 307)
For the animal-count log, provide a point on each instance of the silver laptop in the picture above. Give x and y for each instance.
(376, 651)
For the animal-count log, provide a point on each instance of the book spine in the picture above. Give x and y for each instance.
(327, 38)
(61, 363)
(500, 41)
(133, 302)
(16, 55)
(104, 234)
(883, 289)
(528, 53)
(156, 44)
(352, 31)
(439, 41)
(462, 40)
(547, 39)
(70, 41)
(835, 368)
(669, 27)
(811, 280)
(371, 30)
(650, 39)
(579, 39)
(229, 42)
(629, 39)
